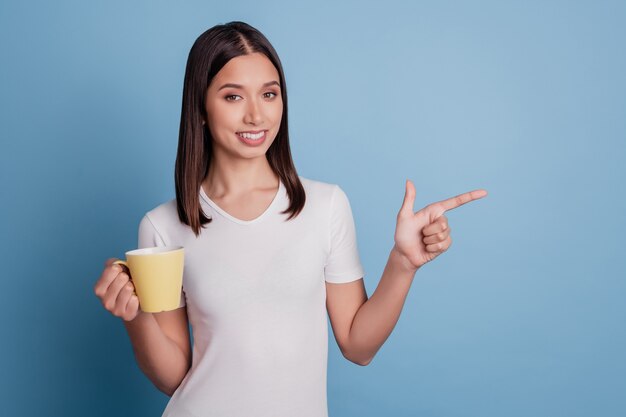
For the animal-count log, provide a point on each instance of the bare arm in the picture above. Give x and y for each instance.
(160, 340)
(362, 325)
(163, 360)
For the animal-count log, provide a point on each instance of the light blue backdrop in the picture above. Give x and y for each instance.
(523, 316)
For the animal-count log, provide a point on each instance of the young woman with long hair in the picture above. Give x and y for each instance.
(268, 253)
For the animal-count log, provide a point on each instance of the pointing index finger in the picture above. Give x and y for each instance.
(461, 199)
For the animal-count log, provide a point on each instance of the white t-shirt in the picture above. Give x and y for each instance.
(256, 300)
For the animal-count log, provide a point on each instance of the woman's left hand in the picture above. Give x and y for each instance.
(420, 237)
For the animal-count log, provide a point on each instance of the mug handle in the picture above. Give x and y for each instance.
(130, 278)
(123, 263)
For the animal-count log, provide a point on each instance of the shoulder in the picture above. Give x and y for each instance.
(330, 193)
(164, 220)
(326, 197)
(163, 214)
(318, 189)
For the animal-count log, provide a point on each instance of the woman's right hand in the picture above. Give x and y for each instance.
(117, 292)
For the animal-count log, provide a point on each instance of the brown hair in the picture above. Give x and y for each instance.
(209, 53)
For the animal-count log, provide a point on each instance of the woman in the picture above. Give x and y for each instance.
(265, 251)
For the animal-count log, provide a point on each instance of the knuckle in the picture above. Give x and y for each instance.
(130, 314)
(133, 303)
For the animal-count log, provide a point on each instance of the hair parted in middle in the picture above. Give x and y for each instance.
(209, 53)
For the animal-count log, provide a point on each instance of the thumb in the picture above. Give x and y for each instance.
(409, 198)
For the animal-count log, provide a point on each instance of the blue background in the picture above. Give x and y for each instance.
(523, 316)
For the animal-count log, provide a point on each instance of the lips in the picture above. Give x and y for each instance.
(251, 135)
(253, 141)
(253, 132)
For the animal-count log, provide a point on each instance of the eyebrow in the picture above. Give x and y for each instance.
(241, 86)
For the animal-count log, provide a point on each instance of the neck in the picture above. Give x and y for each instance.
(237, 177)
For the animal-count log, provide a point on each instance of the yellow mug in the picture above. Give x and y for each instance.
(157, 274)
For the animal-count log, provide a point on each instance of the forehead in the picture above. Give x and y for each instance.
(248, 70)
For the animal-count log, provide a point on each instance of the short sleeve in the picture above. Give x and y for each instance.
(149, 237)
(343, 263)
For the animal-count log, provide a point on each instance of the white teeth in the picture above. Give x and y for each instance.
(251, 136)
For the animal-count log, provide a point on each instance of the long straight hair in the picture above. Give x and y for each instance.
(209, 53)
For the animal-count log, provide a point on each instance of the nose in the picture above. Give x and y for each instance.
(254, 114)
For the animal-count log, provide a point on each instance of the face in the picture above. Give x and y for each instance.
(244, 106)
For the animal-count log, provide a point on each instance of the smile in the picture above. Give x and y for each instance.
(252, 139)
(253, 136)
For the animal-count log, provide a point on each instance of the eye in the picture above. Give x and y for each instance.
(228, 98)
(270, 92)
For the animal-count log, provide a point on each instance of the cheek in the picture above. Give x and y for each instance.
(223, 118)
(277, 113)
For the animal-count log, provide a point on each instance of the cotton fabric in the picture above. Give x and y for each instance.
(256, 300)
